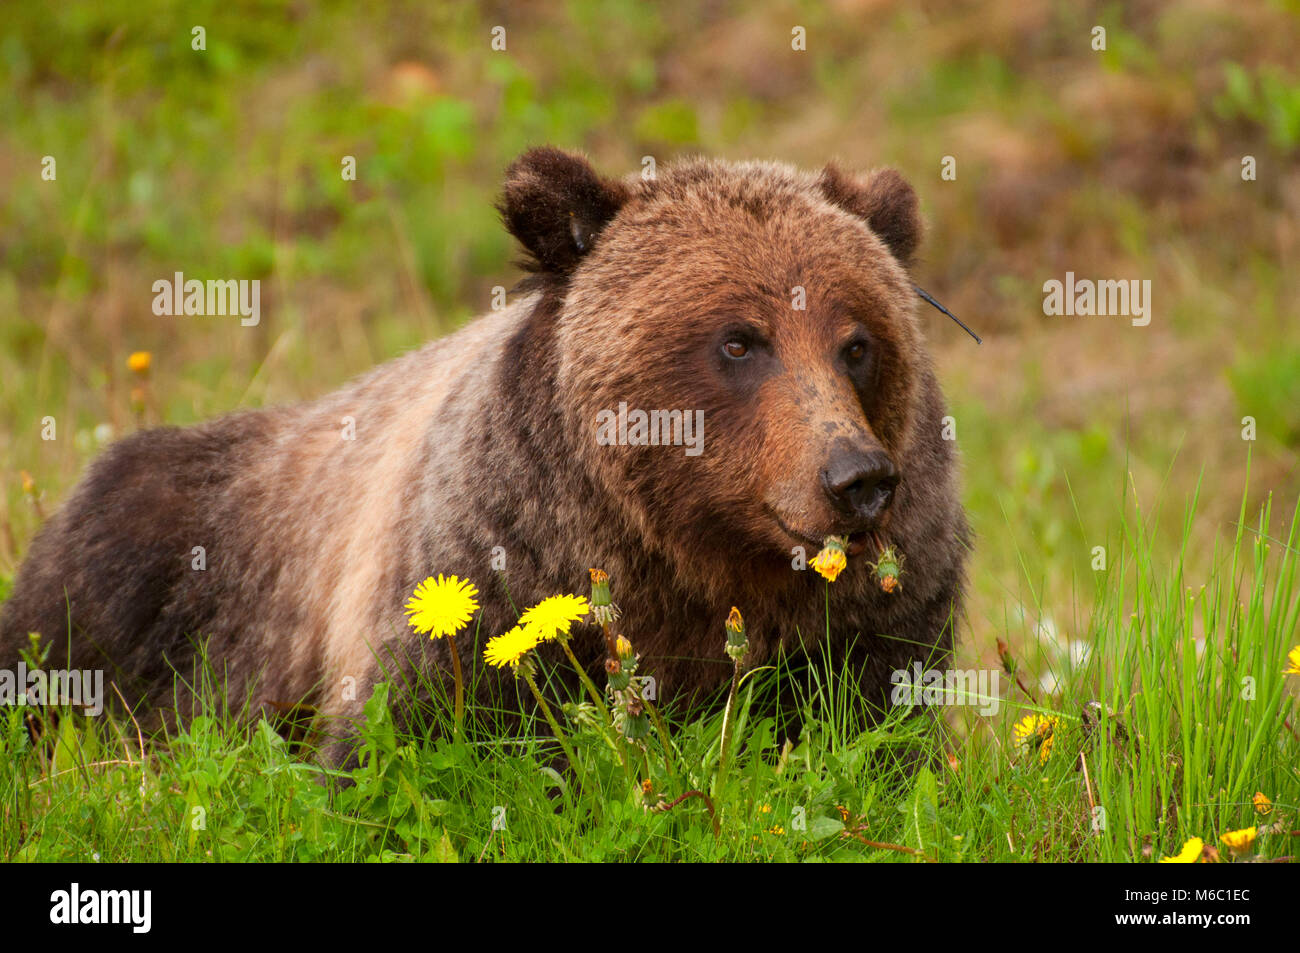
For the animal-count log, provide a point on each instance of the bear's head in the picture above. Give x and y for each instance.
(772, 305)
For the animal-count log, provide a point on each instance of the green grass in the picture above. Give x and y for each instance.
(1178, 715)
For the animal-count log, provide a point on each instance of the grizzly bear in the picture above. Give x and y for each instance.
(771, 307)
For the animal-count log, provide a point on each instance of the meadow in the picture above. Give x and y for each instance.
(1133, 489)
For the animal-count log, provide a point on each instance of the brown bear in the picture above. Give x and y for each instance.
(771, 307)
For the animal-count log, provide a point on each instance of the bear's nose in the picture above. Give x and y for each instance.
(861, 485)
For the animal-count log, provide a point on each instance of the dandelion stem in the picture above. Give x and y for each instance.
(885, 845)
(587, 682)
(619, 747)
(728, 726)
(610, 645)
(460, 683)
(662, 731)
(550, 720)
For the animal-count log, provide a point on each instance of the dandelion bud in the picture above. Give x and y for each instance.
(735, 626)
(599, 587)
(636, 727)
(618, 673)
(1004, 655)
(602, 607)
(737, 644)
(889, 567)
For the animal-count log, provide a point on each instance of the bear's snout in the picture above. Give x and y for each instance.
(860, 484)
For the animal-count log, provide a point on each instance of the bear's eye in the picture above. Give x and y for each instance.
(735, 349)
(855, 352)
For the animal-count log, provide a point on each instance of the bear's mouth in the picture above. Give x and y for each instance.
(857, 541)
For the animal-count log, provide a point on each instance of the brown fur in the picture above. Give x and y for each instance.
(487, 439)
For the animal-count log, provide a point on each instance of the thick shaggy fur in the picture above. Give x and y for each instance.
(487, 439)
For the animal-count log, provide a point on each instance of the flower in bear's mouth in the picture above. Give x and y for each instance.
(832, 559)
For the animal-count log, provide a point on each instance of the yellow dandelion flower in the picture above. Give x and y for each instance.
(830, 562)
(1239, 841)
(442, 606)
(554, 616)
(1190, 853)
(1262, 804)
(778, 830)
(1036, 731)
(510, 648)
(139, 362)
(1293, 662)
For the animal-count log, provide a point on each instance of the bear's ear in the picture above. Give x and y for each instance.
(884, 201)
(556, 205)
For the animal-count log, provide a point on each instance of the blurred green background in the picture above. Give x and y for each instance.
(1122, 163)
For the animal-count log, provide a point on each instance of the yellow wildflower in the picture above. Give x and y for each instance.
(1293, 662)
(1262, 804)
(1190, 853)
(830, 562)
(1036, 730)
(510, 648)
(1239, 841)
(554, 616)
(442, 607)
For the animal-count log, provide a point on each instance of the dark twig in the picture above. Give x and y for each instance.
(663, 806)
(926, 296)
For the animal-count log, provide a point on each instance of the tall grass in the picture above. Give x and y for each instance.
(1178, 715)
